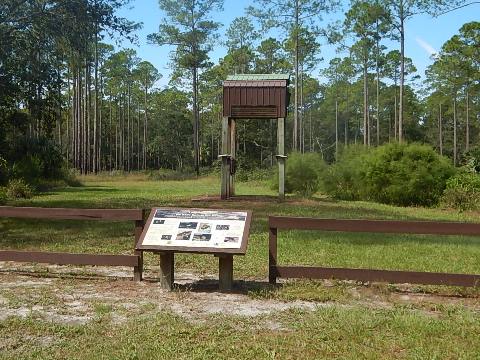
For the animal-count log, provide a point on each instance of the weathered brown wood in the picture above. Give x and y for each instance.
(135, 261)
(167, 270)
(425, 278)
(69, 259)
(375, 226)
(71, 214)
(272, 255)
(244, 99)
(138, 270)
(225, 272)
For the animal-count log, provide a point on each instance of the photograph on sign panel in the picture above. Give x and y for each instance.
(159, 222)
(231, 239)
(205, 228)
(166, 237)
(187, 225)
(183, 235)
(202, 237)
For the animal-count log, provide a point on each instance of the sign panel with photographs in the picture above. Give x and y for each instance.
(196, 230)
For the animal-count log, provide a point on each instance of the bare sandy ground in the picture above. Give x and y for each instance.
(75, 295)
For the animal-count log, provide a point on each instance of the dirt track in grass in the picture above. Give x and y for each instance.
(75, 295)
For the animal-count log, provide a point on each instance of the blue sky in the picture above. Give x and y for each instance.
(424, 35)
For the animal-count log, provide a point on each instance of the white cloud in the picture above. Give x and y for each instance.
(426, 46)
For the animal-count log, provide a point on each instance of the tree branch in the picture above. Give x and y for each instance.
(457, 8)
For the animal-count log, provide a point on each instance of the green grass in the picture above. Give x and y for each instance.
(326, 333)
(347, 328)
(403, 252)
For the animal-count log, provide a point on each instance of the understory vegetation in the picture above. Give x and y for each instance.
(397, 174)
(346, 323)
(33, 165)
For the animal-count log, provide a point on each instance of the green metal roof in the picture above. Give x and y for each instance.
(258, 77)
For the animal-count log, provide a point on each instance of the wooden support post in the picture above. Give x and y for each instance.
(272, 256)
(225, 191)
(138, 270)
(167, 272)
(225, 272)
(281, 158)
(233, 147)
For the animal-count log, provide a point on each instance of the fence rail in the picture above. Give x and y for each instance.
(370, 226)
(135, 260)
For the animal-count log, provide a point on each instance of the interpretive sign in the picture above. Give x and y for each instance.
(196, 230)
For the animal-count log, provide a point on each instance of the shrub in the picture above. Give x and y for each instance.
(18, 189)
(344, 179)
(302, 173)
(406, 174)
(3, 195)
(169, 175)
(29, 168)
(3, 171)
(399, 174)
(462, 192)
(471, 159)
(253, 174)
(37, 159)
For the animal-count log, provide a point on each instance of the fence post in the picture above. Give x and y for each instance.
(138, 270)
(272, 258)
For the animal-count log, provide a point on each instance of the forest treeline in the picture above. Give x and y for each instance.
(68, 96)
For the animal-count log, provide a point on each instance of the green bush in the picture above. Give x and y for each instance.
(37, 159)
(302, 173)
(18, 189)
(471, 160)
(462, 192)
(29, 168)
(170, 175)
(253, 174)
(3, 195)
(406, 174)
(3, 171)
(343, 180)
(399, 174)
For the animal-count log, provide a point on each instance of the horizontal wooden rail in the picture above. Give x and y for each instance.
(413, 277)
(135, 215)
(70, 259)
(375, 226)
(371, 226)
(71, 214)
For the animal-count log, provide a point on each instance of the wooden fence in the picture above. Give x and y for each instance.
(368, 226)
(135, 260)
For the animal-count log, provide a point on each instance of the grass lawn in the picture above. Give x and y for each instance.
(403, 252)
(348, 328)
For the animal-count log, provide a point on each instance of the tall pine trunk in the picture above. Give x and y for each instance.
(440, 129)
(402, 75)
(295, 110)
(95, 106)
(196, 123)
(467, 123)
(455, 130)
(366, 120)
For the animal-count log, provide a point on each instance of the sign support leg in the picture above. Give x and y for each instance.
(225, 272)
(281, 158)
(166, 270)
